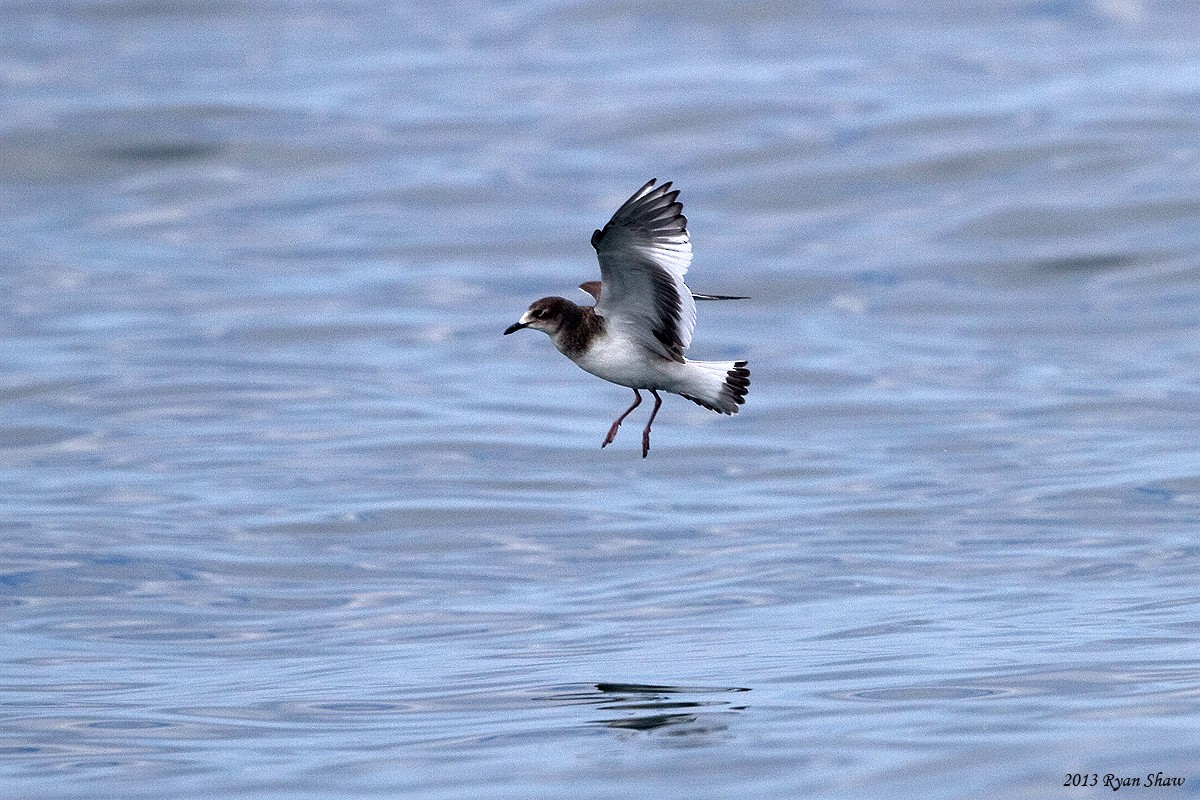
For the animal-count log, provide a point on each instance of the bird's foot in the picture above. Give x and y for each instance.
(650, 422)
(612, 435)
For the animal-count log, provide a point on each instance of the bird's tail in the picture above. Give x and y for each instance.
(718, 385)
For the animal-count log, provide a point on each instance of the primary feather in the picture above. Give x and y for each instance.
(644, 252)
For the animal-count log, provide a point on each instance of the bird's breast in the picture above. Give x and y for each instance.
(620, 360)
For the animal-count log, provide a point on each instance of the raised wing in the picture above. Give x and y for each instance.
(644, 252)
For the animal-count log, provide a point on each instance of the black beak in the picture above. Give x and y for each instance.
(516, 326)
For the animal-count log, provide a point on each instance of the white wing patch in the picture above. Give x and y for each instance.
(644, 252)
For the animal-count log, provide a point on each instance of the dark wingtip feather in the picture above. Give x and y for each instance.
(657, 209)
(718, 297)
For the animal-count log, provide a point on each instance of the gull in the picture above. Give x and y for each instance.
(642, 321)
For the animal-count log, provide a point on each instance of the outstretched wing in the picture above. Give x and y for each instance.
(593, 288)
(644, 252)
(698, 296)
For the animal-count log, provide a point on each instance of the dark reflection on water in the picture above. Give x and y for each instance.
(635, 700)
(161, 151)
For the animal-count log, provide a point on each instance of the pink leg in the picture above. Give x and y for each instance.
(612, 432)
(646, 433)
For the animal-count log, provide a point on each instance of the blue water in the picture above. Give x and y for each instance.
(284, 515)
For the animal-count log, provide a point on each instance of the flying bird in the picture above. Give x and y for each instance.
(636, 333)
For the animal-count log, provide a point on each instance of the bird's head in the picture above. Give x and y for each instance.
(546, 315)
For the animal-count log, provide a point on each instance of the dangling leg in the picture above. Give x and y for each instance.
(646, 433)
(612, 432)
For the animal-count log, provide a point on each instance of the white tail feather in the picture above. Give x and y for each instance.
(717, 385)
